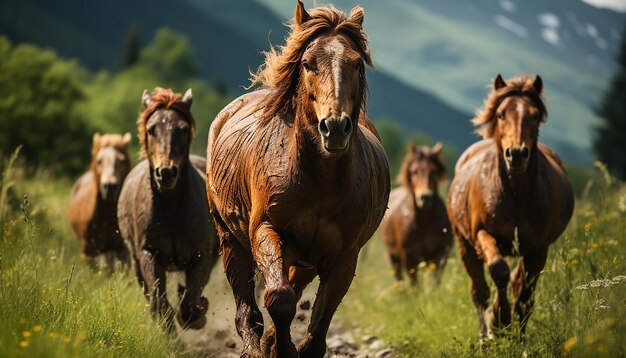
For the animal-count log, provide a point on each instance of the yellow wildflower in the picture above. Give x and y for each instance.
(23, 344)
(569, 345)
(52, 335)
(26, 334)
(37, 328)
(22, 321)
(67, 339)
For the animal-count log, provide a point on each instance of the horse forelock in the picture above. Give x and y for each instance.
(115, 141)
(423, 153)
(162, 98)
(485, 119)
(280, 71)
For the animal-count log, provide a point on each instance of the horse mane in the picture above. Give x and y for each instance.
(281, 68)
(485, 118)
(162, 98)
(420, 153)
(108, 140)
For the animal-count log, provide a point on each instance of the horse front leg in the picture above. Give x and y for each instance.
(193, 306)
(239, 269)
(154, 287)
(524, 281)
(279, 297)
(500, 316)
(334, 284)
(480, 290)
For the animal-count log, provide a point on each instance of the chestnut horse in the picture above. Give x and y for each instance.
(297, 179)
(163, 213)
(416, 228)
(508, 183)
(93, 201)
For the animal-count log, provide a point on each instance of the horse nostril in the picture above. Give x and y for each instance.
(157, 171)
(507, 153)
(323, 127)
(348, 128)
(174, 172)
(525, 152)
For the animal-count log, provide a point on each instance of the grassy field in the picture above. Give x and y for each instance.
(52, 305)
(580, 301)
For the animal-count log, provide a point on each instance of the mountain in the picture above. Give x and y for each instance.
(452, 49)
(227, 37)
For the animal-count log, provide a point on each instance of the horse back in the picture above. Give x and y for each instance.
(82, 204)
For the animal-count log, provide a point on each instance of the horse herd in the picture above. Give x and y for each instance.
(296, 182)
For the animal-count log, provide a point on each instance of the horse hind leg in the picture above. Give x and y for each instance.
(480, 290)
(239, 269)
(279, 297)
(526, 276)
(500, 315)
(396, 267)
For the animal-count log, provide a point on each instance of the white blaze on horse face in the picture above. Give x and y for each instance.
(335, 50)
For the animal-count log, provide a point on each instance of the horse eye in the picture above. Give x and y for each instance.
(151, 131)
(500, 116)
(99, 161)
(537, 116)
(306, 65)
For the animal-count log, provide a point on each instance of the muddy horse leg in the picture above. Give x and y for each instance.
(334, 284)
(299, 278)
(155, 288)
(524, 280)
(239, 269)
(500, 316)
(279, 297)
(480, 290)
(396, 267)
(411, 262)
(193, 306)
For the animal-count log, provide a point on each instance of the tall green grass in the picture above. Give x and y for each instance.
(580, 301)
(51, 304)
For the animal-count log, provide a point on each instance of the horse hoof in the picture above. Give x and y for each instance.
(196, 324)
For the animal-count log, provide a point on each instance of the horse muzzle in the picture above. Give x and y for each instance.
(109, 191)
(166, 177)
(424, 200)
(516, 159)
(335, 133)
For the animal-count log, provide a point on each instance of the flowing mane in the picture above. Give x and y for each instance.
(485, 118)
(162, 99)
(281, 69)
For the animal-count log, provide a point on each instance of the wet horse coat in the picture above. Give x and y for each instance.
(508, 184)
(298, 186)
(92, 210)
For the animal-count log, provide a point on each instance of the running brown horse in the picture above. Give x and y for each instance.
(93, 201)
(416, 228)
(163, 213)
(298, 180)
(510, 197)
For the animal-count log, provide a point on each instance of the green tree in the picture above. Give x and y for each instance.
(38, 97)
(132, 48)
(171, 56)
(610, 136)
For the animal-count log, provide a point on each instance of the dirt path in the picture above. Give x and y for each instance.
(219, 338)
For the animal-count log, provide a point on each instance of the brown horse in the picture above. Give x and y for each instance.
(416, 228)
(93, 201)
(297, 179)
(163, 213)
(508, 183)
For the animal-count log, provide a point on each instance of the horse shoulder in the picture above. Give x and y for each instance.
(473, 150)
(82, 202)
(135, 201)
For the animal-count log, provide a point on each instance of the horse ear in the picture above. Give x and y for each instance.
(188, 98)
(411, 148)
(127, 138)
(436, 149)
(538, 84)
(146, 98)
(301, 16)
(498, 82)
(96, 139)
(357, 14)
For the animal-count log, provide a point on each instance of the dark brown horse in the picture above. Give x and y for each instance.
(297, 179)
(93, 201)
(416, 228)
(508, 185)
(163, 214)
